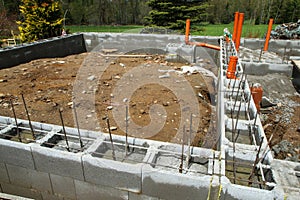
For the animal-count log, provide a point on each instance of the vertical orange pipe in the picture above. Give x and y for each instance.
(239, 31)
(235, 25)
(268, 35)
(187, 31)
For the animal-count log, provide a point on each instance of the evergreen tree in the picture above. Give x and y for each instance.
(41, 19)
(173, 13)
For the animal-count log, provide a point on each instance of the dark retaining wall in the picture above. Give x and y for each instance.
(49, 48)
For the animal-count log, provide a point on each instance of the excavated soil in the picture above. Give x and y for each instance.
(47, 86)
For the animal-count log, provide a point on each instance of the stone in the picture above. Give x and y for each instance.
(3, 80)
(166, 103)
(142, 111)
(265, 102)
(91, 78)
(113, 128)
(109, 107)
(2, 96)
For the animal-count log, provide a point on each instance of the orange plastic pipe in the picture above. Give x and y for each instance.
(235, 25)
(232, 67)
(187, 38)
(239, 31)
(187, 31)
(268, 35)
(257, 93)
(210, 46)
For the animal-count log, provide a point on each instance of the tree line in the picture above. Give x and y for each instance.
(100, 12)
(168, 13)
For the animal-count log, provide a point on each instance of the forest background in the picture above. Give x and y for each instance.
(159, 12)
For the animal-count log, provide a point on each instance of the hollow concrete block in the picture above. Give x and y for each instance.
(112, 174)
(20, 191)
(135, 196)
(247, 193)
(63, 186)
(57, 162)
(3, 174)
(90, 191)
(50, 196)
(164, 185)
(28, 178)
(16, 153)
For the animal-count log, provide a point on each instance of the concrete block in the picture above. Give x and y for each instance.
(16, 153)
(57, 162)
(247, 193)
(134, 196)
(21, 191)
(28, 178)
(112, 174)
(90, 191)
(3, 173)
(50, 196)
(14, 197)
(63, 186)
(164, 185)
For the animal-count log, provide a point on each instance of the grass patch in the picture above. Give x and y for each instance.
(106, 28)
(249, 31)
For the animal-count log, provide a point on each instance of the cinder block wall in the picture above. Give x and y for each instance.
(48, 48)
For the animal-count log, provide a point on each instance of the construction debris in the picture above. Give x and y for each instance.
(287, 31)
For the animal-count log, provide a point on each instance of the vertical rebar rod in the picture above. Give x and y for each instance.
(238, 115)
(233, 87)
(238, 91)
(110, 137)
(15, 116)
(27, 113)
(283, 57)
(126, 131)
(77, 124)
(64, 130)
(189, 141)
(261, 50)
(250, 95)
(182, 151)
(254, 123)
(255, 162)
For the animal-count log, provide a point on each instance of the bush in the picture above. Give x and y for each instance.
(41, 19)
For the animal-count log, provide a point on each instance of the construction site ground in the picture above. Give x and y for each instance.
(47, 85)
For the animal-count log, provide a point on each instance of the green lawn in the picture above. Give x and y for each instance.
(106, 28)
(249, 31)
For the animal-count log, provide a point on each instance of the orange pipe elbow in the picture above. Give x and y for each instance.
(231, 67)
(257, 93)
(187, 38)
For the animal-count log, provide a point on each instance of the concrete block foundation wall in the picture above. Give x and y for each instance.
(41, 170)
